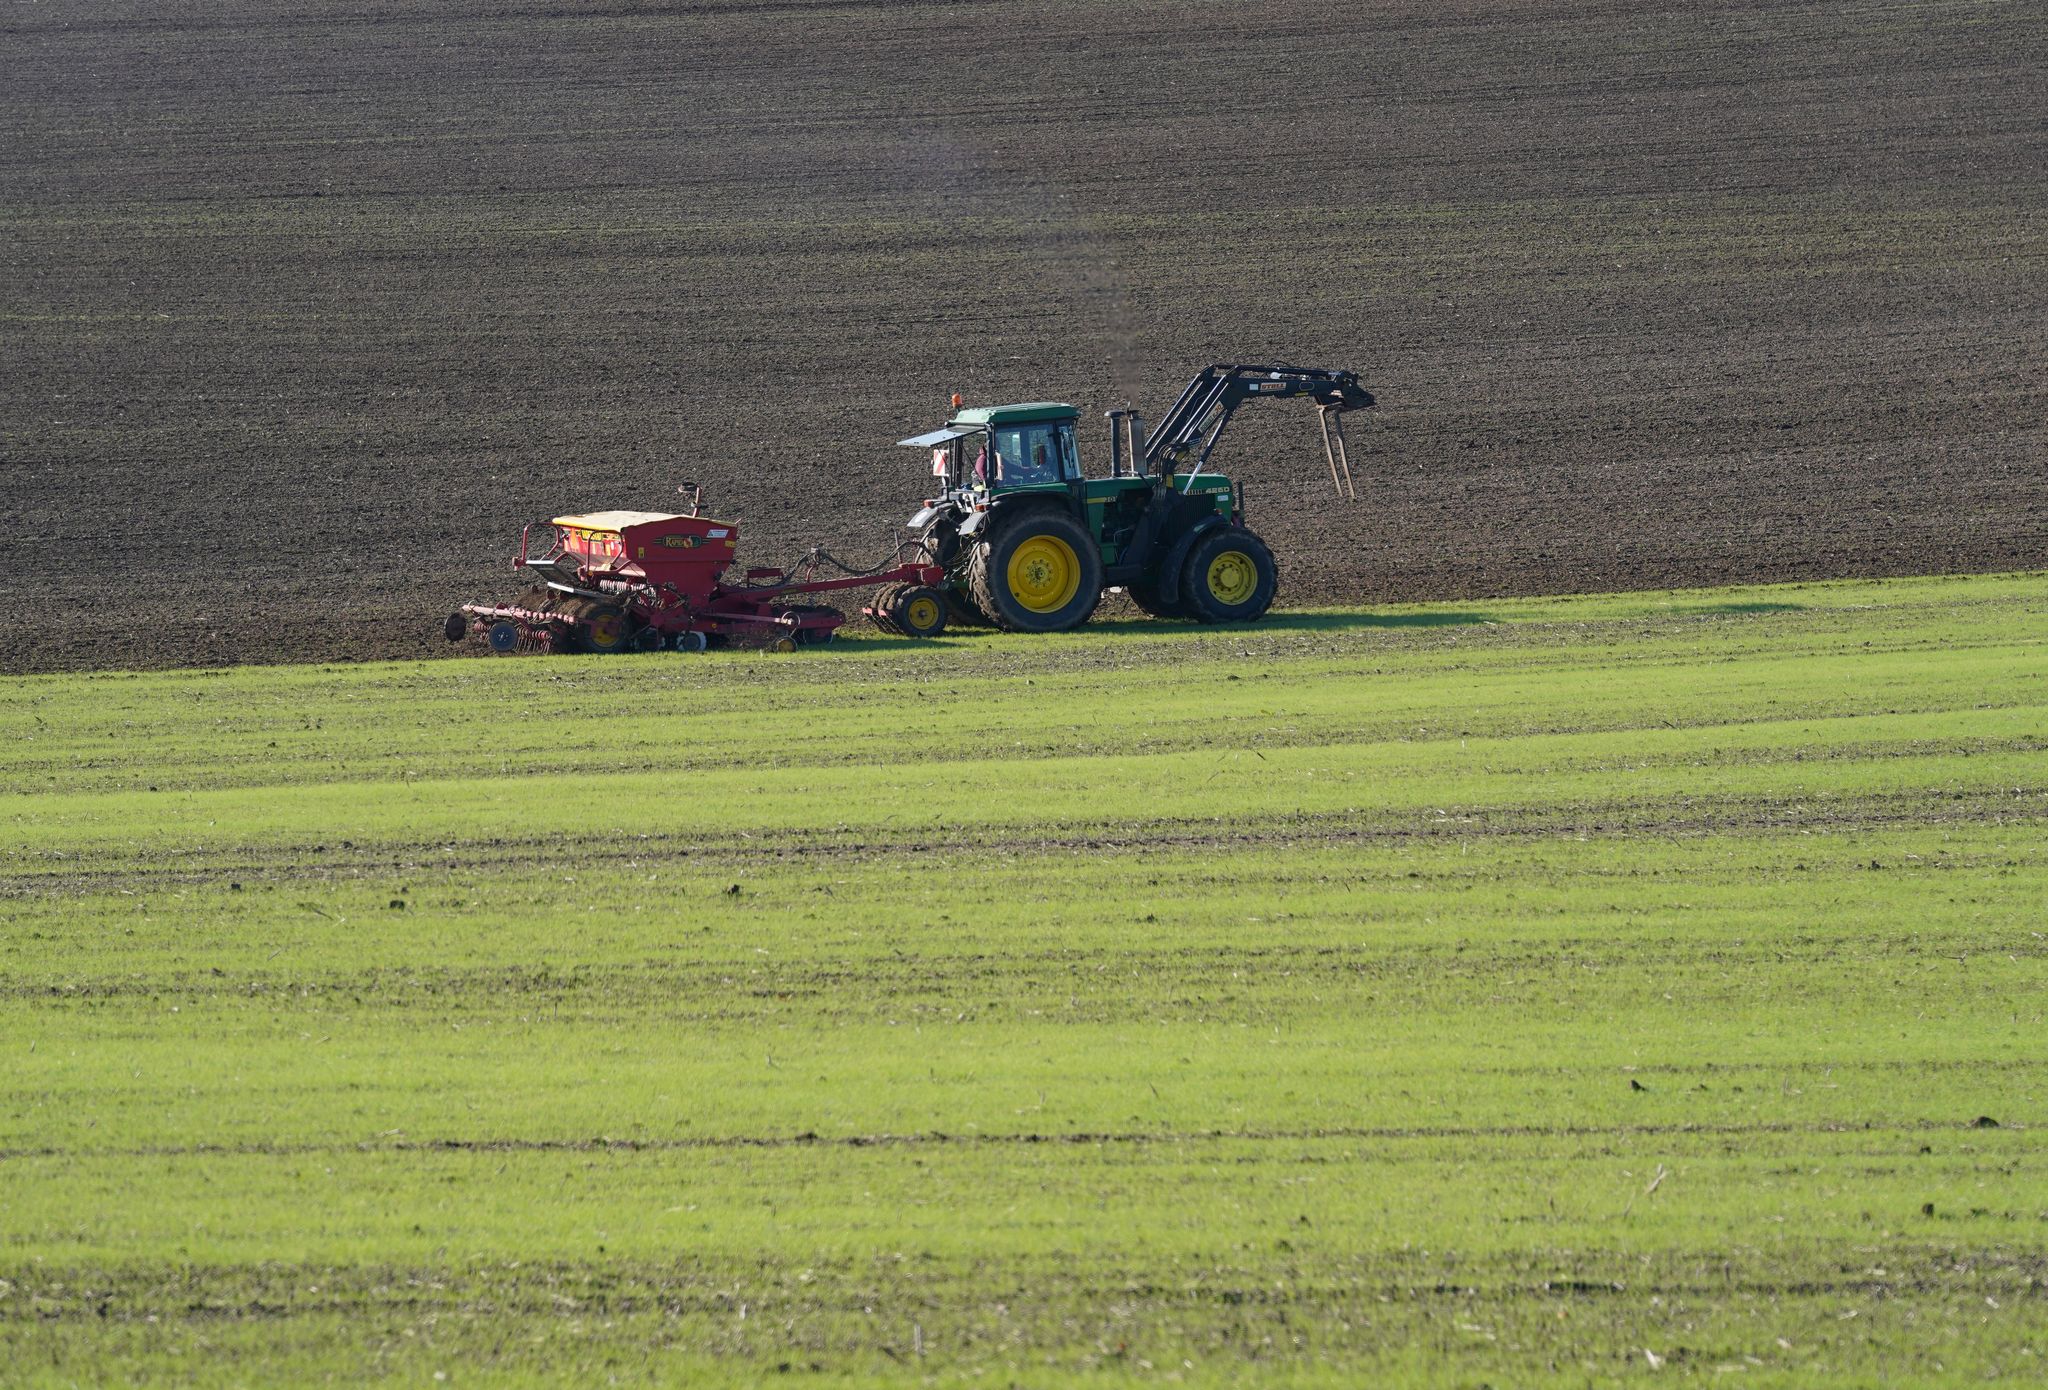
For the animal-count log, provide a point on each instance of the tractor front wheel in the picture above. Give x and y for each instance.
(1040, 573)
(1229, 577)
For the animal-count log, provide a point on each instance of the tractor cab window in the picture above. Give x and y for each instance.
(1030, 454)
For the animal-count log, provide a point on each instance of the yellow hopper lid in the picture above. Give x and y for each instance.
(613, 521)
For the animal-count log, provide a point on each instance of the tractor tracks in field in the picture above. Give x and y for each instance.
(938, 1139)
(1034, 1286)
(2020, 806)
(65, 774)
(960, 986)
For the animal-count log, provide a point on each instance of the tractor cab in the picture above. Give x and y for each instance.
(1006, 448)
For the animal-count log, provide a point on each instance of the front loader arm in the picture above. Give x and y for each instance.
(1197, 419)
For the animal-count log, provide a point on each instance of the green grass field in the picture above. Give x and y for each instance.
(1535, 992)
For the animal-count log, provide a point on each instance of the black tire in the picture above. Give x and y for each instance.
(1229, 577)
(605, 629)
(1046, 548)
(815, 636)
(917, 610)
(1149, 602)
(962, 611)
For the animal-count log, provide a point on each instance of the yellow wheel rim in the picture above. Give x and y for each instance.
(607, 630)
(1233, 577)
(1044, 573)
(923, 614)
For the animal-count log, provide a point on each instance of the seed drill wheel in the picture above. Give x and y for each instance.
(503, 637)
(457, 626)
(784, 643)
(816, 635)
(1042, 572)
(1230, 577)
(690, 642)
(918, 610)
(606, 630)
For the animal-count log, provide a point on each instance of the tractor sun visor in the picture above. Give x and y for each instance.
(937, 438)
(941, 443)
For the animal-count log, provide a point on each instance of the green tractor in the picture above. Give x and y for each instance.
(1029, 543)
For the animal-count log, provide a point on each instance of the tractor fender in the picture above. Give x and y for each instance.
(922, 519)
(1169, 569)
(1003, 508)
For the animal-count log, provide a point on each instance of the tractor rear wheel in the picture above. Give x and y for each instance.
(1040, 573)
(1229, 577)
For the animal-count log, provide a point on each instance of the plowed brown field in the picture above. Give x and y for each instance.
(310, 305)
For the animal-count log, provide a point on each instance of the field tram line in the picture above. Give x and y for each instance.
(808, 1139)
(1891, 811)
(56, 770)
(559, 1288)
(905, 981)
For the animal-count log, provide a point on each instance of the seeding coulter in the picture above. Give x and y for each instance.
(1018, 538)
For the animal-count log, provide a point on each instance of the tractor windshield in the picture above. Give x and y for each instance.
(1029, 454)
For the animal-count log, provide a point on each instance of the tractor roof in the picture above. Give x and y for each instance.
(1024, 413)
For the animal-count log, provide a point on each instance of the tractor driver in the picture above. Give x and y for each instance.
(1038, 468)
